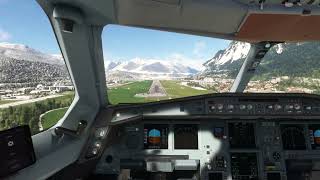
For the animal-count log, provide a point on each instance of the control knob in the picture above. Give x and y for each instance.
(220, 106)
(277, 106)
(230, 107)
(276, 156)
(309, 108)
(242, 107)
(269, 107)
(289, 107)
(297, 107)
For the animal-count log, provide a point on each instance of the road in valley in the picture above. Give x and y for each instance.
(17, 103)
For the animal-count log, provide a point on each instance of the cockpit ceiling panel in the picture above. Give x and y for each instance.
(244, 20)
(280, 27)
(301, 2)
(201, 16)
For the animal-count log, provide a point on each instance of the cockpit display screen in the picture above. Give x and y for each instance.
(314, 133)
(241, 135)
(16, 150)
(293, 137)
(156, 136)
(186, 136)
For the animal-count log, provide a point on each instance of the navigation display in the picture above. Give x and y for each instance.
(186, 136)
(241, 135)
(314, 133)
(244, 166)
(156, 136)
(293, 137)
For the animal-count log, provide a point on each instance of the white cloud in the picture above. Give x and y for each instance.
(4, 36)
(107, 56)
(199, 47)
(180, 58)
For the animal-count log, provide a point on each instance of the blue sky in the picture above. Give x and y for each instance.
(24, 22)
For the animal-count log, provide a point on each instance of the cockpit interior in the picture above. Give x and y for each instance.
(225, 136)
(234, 135)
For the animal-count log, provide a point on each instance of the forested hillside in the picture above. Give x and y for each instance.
(288, 59)
(22, 71)
(29, 113)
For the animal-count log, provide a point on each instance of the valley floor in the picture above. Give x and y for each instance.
(50, 118)
(169, 89)
(17, 103)
(7, 101)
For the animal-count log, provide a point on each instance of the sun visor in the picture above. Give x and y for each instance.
(279, 27)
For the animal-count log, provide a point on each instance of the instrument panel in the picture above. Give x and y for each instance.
(314, 135)
(244, 166)
(186, 136)
(236, 137)
(293, 137)
(241, 135)
(155, 136)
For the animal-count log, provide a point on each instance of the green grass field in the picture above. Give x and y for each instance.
(7, 101)
(121, 94)
(51, 118)
(126, 93)
(175, 90)
(54, 116)
(29, 113)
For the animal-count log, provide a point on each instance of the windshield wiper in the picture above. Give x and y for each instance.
(256, 53)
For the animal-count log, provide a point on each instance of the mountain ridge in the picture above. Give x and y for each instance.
(24, 52)
(150, 66)
(291, 59)
(23, 64)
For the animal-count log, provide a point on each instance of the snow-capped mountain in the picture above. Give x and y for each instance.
(23, 52)
(235, 51)
(22, 64)
(280, 58)
(151, 66)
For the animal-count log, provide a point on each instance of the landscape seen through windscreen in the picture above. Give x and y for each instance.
(35, 86)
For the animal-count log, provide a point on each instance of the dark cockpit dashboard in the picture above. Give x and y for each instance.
(216, 137)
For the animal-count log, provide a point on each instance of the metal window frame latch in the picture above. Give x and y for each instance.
(75, 133)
